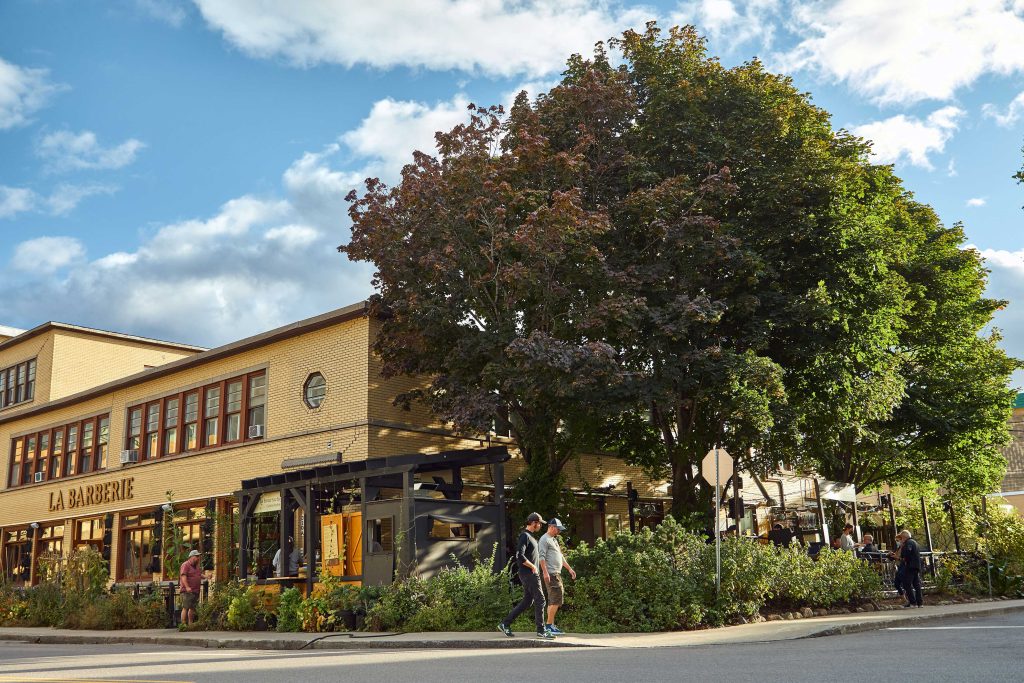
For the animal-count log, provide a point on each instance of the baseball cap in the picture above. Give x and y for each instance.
(534, 517)
(194, 553)
(557, 523)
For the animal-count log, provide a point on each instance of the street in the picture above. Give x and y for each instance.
(963, 650)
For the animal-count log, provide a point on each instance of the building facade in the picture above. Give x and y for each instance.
(107, 440)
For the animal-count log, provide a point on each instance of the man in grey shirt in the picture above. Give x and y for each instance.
(551, 563)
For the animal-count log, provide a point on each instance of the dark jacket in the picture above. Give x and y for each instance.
(910, 555)
(526, 549)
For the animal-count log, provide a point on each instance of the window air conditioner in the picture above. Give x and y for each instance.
(255, 431)
(38, 477)
(129, 456)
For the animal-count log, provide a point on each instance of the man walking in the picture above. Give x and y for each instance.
(190, 580)
(551, 562)
(529, 576)
(910, 563)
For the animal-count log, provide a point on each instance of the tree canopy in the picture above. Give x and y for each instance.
(663, 254)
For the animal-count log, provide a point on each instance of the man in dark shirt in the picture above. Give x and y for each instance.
(910, 563)
(529, 575)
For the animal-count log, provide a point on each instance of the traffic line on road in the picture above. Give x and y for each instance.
(946, 628)
(23, 679)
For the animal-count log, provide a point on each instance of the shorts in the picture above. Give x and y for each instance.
(556, 592)
(189, 600)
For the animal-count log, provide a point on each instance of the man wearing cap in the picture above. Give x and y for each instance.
(551, 562)
(190, 580)
(529, 576)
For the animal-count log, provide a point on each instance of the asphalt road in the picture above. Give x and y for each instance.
(968, 650)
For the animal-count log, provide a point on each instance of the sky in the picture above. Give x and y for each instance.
(178, 169)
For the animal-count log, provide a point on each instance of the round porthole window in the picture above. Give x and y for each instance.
(314, 390)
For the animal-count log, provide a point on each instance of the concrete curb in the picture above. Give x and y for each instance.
(402, 641)
(911, 620)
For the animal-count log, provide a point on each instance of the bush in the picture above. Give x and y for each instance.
(288, 611)
(212, 614)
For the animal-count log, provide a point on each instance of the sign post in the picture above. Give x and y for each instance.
(719, 460)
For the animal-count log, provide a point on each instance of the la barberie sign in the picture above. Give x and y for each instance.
(92, 494)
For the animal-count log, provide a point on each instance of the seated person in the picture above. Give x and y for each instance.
(780, 536)
(867, 548)
(293, 561)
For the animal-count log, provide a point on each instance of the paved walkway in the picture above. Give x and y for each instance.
(748, 633)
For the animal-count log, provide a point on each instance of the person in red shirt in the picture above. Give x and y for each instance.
(190, 582)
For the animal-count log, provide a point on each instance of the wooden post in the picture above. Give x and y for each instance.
(928, 534)
(856, 520)
(312, 524)
(407, 550)
(630, 494)
(821, 512)
(499, 499)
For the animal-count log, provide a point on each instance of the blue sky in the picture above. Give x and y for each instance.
(176, 169)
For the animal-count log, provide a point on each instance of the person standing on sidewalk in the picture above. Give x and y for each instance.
(190, 580)
(529, 576)
(910, 563)
(551, 562)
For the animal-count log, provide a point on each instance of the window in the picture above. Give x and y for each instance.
(215, 415)
(17, 556)
(314, 390)
(71, 461)
(191, 522)
(152, 432)
(89, 534)
(103, 442)
(191, 420)
(18, 383)
(62, 451)
(233, 412)
(137, 547)
(443, 530)
(212, 413)
(171, 426)
(257, 399)
(85, 455)
(51, 545)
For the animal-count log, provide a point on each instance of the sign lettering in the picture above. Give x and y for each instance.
(92, 494)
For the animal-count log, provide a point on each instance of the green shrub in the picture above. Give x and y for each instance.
(288, 611)
(44, 605)
(212, 614)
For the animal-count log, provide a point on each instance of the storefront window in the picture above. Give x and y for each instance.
(137, 547)
(89, 534)
(17, 556)
(50, 551)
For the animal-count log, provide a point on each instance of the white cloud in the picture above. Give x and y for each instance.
(976, 201)
(394, 129)
(1008, 116)
(496, 37)
(68, 151)
(734, 22)
(908, 51)
(1006, 281)
(172, 12)
(47, 254)
(65, 197)
(15, 200)
(23, 92)
(904, 137)
(255, 263)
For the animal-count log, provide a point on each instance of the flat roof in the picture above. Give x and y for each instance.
(24, 335)
(6, 331)
(208, 356)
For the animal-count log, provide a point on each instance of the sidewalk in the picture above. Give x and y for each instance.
(747, 633)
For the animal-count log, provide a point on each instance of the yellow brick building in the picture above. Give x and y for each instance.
(103, 431)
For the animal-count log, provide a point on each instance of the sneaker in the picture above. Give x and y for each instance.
(506, 630)
(554, 630)
(908, 606)
(545, 635)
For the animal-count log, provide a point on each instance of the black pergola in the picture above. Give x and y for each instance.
(298, 488)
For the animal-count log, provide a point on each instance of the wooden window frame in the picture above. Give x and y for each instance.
(181, 423)
(122, 545)
(32, 459)
(77, 541)
(16, 391)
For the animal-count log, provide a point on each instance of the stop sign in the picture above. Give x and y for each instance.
(707, 467)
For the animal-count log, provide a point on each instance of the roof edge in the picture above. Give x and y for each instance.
(262, 339)
(53, 325)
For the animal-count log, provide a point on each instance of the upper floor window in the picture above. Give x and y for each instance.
(76, 448)
(217, 414)
(18, 383)
(314, 390)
